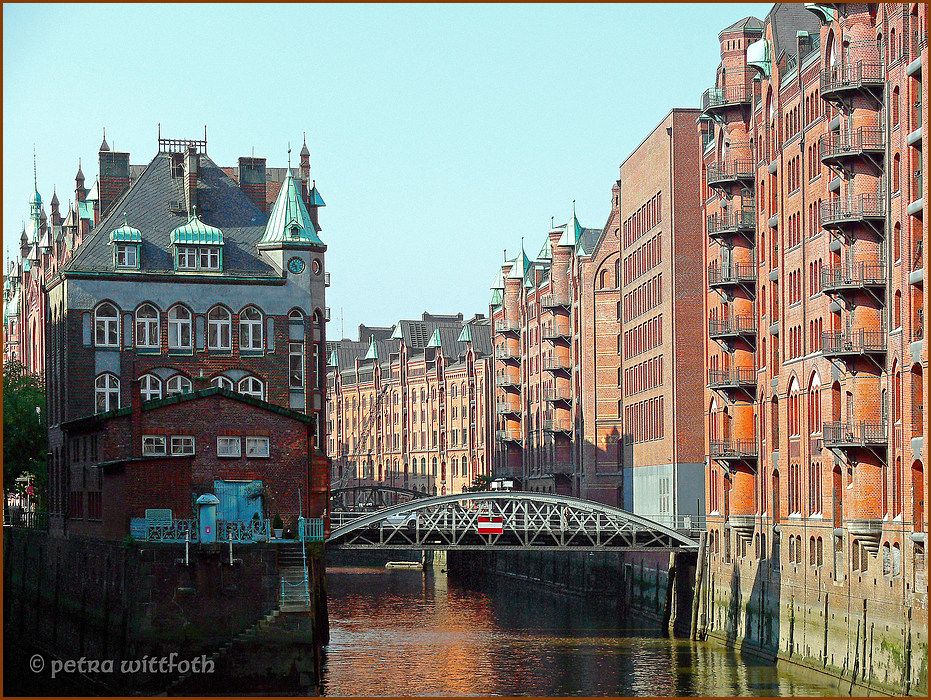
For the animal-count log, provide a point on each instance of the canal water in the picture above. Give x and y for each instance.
(397, 632)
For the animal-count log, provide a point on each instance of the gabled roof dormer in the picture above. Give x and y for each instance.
(127, 246)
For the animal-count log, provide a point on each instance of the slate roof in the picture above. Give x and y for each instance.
(788, 18)
(745, 23)
(147, 205)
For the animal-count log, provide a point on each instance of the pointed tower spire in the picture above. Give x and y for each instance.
(304, 150)
(435, 339)
(103, 144)
(372, 353)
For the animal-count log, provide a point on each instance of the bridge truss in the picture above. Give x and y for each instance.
(369, 497)
(525, 520)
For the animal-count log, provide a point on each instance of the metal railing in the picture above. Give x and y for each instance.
(504, 353)
(28, 519)
(857, 342)
(506, 381)
(728, 96)
(851, 76)
(733, 449)
(177, 530)
(505, 407)
(310, 529)
(734, 377)
(730, 171)
(832, 145)
(852, 208)
(556, 333)
(555, 394)
(243, 530)
(554, 301)
(735, 325)
(557, 426)
(861, 274)
(509, 435)
(740, 219)
(918, 260)
(506, 326)
(862, 434)
(556, 364)
(734, 273)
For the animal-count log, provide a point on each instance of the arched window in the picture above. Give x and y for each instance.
(895, 106)
(106, 326)
(179, 328)
(296, 322)
(814, 404)
(897, 309)
(793, 408)
(453, 391)
(252, 386)
(178, 384)
(250, 329)
(147, 335)
(106, 393)
(219, 328)
(423, 466)
(435, 471)
(223, 382)
(150, 387)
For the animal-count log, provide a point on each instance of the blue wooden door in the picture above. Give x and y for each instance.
(239, 500)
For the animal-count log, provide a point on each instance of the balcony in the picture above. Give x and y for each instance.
(556, 334)
(855, 209)
(836, 148)
(733, 450)
(506, 382)
(734, 378)
(863, 275)
(741, 220)
(505, 326)
(555, 301)
(509, 435)
(563, 427)
(556, 364)
(714, 100)
(506, 408)
(860, 342)
(507, 354)
(735, 171)
(851, 435)
(732, 328)
(556, 394)
(733, 275)
(840, 81)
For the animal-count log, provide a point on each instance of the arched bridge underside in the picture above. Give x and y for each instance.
(369, 497)
(502, 520)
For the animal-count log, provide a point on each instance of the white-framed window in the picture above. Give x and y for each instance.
(178, 384)
(182, 445)
(147, 335)
(106, 326)
(252, 386)
(210, 258)
(296, 365)
(127, 256)
(150, 387)
(219, 328)
(187, 258)
(106, 393)
(154, 445)
(222, 382)
(229, 446)
(256, 447)
(179, 328)
(250, 329)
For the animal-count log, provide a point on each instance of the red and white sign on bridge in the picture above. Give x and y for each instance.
(491, 524)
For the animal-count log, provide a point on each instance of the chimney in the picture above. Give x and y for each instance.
(252, 181)
(191, 167)
(114, 178)
(136, 417)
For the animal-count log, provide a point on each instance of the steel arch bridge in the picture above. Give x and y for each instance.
(527, 521)
(350, 499)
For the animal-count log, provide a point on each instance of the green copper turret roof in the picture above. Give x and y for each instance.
(521, 265)
(573, 232)
(397, 333)
(289, 221)
(196, 232)
(126, 234)
(465, 336)
(435, 339)
(332, 361)
(372, 353)
(496, 298)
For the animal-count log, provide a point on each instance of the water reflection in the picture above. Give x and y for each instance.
(407, 633)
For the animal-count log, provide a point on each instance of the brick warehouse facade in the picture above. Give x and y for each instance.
(815, 350)
(192, 276)
(408, 406)
(594, 372)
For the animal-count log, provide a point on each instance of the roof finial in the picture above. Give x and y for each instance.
(35, 179)
(573, 208)
(125, 219)
(193, 211)
(552, 222)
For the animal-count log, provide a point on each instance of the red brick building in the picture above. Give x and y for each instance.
(187, 280)
(815, 349)
(408, 406)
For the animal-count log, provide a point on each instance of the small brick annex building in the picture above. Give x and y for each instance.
(258, 460)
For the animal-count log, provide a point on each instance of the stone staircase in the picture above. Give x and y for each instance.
(294, 594)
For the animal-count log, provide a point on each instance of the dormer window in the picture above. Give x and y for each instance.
(127, 244)
(198, 247)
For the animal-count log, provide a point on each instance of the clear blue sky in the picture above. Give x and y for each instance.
(439, 135)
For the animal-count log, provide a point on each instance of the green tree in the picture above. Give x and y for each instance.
(482, 482)
(25, 440)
